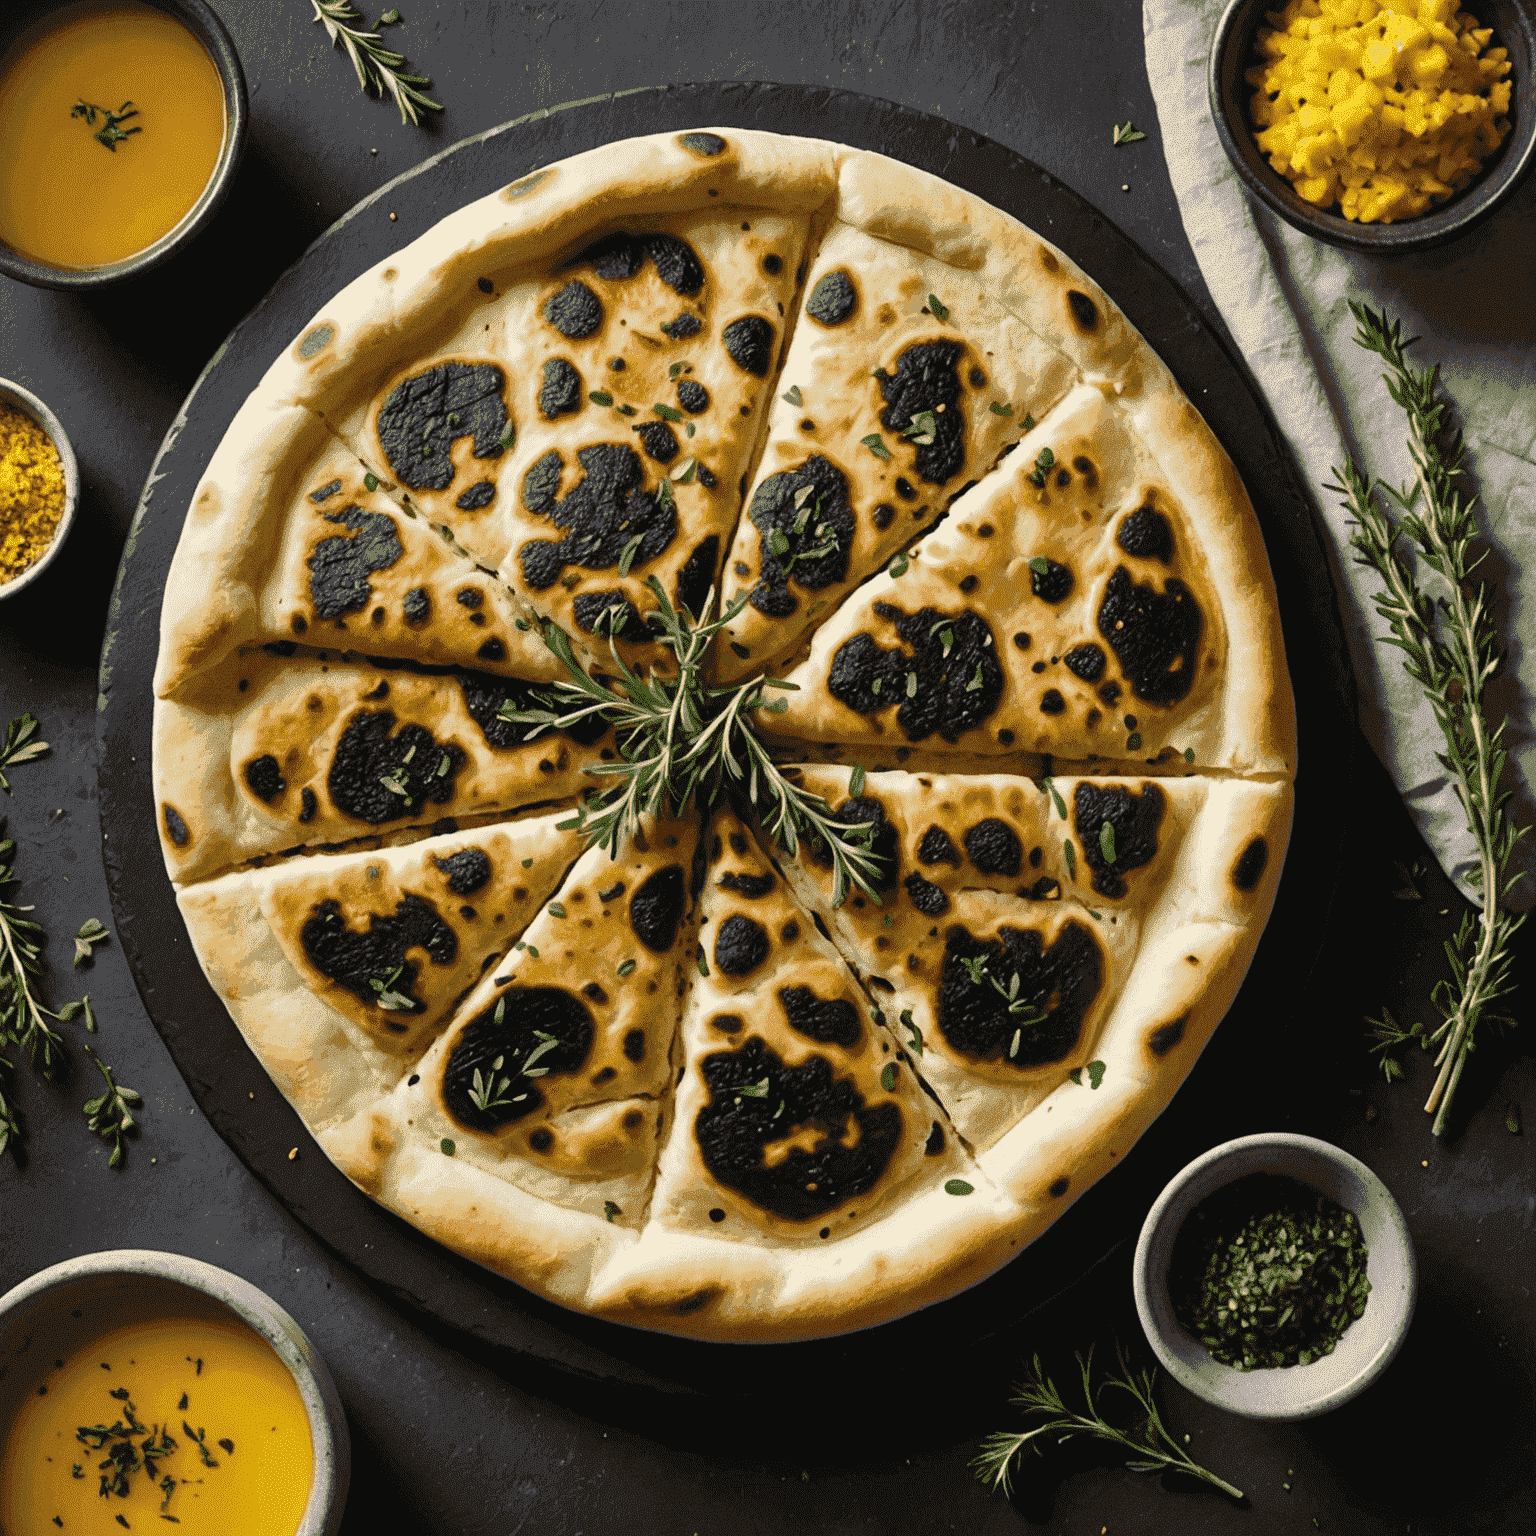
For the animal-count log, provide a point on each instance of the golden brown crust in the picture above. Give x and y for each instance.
(561, 1105)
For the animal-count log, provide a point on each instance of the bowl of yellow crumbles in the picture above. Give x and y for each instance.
(1377, 125)
(39, 486)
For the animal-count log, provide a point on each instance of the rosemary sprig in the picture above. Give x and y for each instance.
(1153, 1447)
(682, 742)
(1450, 648)
(379, 69)
(20, 746)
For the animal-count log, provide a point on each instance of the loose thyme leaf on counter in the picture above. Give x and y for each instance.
(91, 933)
(1154, 1448)
(1128, 134)
(1451, 649)
(379, 69)
(20, 746)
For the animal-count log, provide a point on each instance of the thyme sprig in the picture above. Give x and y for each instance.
(1154, 1449)
(111, 1115)
(379, 69)
(682, 742)
(1450, 648)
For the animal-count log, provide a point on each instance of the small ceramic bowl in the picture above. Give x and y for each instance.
(200, 19)
(1233, 53)
(1367, 1346)
(24, 400)
(37, 1318)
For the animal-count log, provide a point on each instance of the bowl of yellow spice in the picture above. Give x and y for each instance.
(39, 486)
(1377, 125)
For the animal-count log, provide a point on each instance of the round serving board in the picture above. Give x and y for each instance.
(893, 1364)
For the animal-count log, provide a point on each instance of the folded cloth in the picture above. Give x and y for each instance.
(1285, 298)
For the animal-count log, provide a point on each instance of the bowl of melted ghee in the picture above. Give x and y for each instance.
(123, 123)
(143, 1385)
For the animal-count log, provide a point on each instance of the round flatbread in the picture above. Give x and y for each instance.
(1023, 601)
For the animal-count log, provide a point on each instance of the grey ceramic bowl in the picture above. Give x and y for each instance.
(40, 1318)
(200, 20)
(1368, 1345)
(25, 400)
(1232, 53)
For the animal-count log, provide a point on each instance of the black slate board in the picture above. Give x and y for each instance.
(554, 1345)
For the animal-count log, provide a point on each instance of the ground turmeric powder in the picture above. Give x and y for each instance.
(31, 492)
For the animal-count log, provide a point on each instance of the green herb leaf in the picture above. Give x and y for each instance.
(758, 1090)
(1061, 807)
(627, 555)
(791, 396)
(876, 445)
(999, 409)
(1071, 855)
(448, 1146)
(1189, 754)
(667, 412)
(1039, 565)
(856, 780)
(898, 565)
(888, 1076)
(1127, 134)
(936, 309)
(21, 746)
(90, 934)
(958, 1187)
(109, 135)
(1029, 422)
(599, 397)
(1107, 842)
(555, 909)
(610, 1210)
(626, 968)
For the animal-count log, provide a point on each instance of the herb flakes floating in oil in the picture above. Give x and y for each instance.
(379, 69)
(109, 135)
(1268, 1273)
(1153, 1447)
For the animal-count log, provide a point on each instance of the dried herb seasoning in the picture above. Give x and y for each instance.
(1267, 1272)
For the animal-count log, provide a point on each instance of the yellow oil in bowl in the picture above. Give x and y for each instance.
(112, 119)
(188, 1416)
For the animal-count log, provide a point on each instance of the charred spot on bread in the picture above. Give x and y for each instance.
(1154, 635)
(814, 554)
(560, 392)
(604, 512)
(833, 299)
(994, 848)
(831, 1021)
(1147, 535)
(949, 682)
(519, 1022)
(613, 614)
(541, 485)
(1249, 869)
(929, 899)
(741, 945)
(416, 606)
(935, 1143)
(698, 575)
(576, 312)
(656, 909)
(467, 871)
(264, 778)
(371, 963)
(379, 774)
(937, 847)
(1085, 313)
(1060, 980)
(1053, 584)
(339, 567)
(750, 886)
(748, 342)
(692, 396)
(480, 494)
(634, 1045)
(308, 805)
(658, 440)
(1086, 661)
(1134, 819)
(325, 492)
(683, 327)
(927, 380)
(853, 1144)
(1059, 1187)
(702, 143)
(1166, 1036)
(175, 825)
(423, 416)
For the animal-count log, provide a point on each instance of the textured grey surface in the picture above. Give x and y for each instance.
(447, 1441)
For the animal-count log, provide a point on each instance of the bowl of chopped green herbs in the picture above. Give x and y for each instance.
(1275, 1276)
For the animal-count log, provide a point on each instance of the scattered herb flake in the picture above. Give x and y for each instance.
(876, 445)
(958, 1187)
(888, 1076)
(937, 309)
(1127, 134)
(791, 396)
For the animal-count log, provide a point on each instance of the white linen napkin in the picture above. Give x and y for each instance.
(1285, 298)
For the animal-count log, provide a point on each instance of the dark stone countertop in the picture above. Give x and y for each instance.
(449, 1440)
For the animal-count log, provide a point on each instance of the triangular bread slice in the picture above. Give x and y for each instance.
(340, 969)
(990, 877)
(905, 382)
(533, 1120)
(290, 538)
(804, 1151)
(1104, 596)
(271, 751)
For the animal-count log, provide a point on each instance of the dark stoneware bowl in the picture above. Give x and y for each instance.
(199, 19)
(1232, 53)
